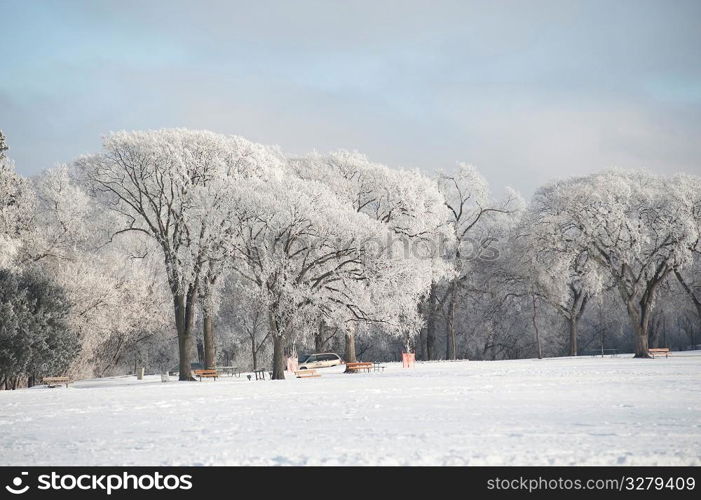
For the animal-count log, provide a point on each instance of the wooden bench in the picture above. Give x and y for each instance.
(206, 374)
(358, 367)
(56, 381)
(659, 351)
(378, 367)
(306, 374)
(260, 373)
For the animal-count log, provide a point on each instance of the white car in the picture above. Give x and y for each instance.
(320, 360)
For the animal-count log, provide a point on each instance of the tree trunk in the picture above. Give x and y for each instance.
(640, 328)
(183, 341)
(537, 331)
(184, 305)
(200, 351)
(653, 336)
(350, 345)
(278, 357)
(421, 345)
(573, 334)
(641, 342)
(431, 324)
(254, 353)
(451, 344)
(579, 304)
(210, 348)
(319, 338)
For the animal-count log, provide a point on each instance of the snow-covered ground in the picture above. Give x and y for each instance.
(528, 412)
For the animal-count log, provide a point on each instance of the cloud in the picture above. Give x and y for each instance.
(527, 92)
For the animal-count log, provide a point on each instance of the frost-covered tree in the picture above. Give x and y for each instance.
(116, 303)
(473, 219)
(216, 211)
(63, 220)
(508, 300)
(638, 227)
(114, 288)
(565, 275)
(246, 316)
(410, 209)
(689, 276)
(691, 284)
(3, 146)
(16, 210)
(302, 248)
(168, 184)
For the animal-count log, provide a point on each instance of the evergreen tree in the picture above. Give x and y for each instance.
(35, 339)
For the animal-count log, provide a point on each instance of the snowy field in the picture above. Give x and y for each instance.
(610, 411)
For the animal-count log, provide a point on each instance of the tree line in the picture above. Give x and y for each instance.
(173, 246)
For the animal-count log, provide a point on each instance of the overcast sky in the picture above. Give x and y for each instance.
(527, 91)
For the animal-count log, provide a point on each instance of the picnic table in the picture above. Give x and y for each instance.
(55, 381)
(231, 370)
